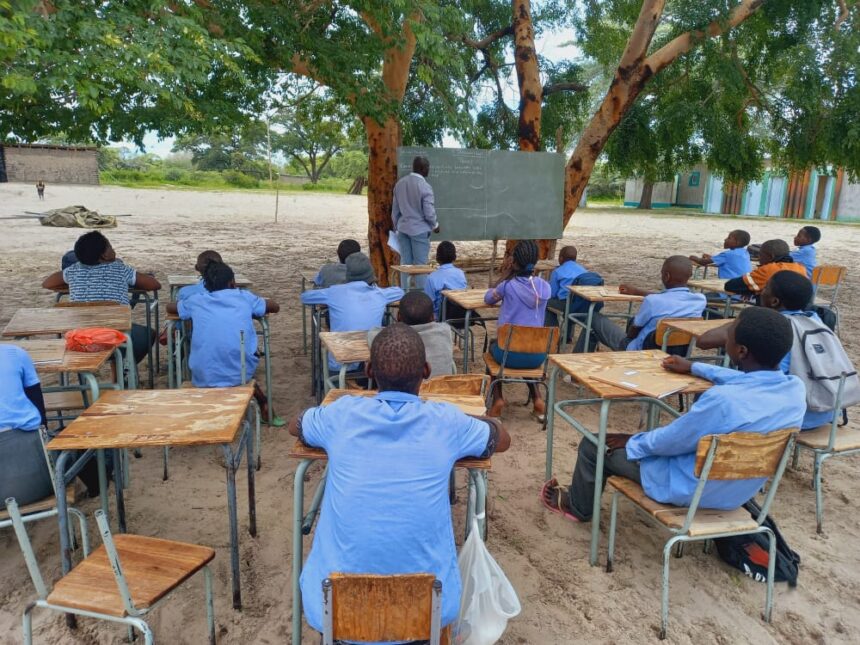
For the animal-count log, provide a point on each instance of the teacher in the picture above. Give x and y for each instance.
(413, 215)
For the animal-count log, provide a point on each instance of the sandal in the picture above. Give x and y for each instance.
(551, 488)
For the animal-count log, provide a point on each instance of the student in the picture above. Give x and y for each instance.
(218, 315)
(356, 305)
(757, 397)
(734, 261)
(203, 261)
(773, 257)
(788, 293)
(560, 279)
(386, 509)
(805, 241)
(523, 296)
(416, 310)
(676, 301)
(447, 276)
(100, 276)
(335, 272)
(24, 472)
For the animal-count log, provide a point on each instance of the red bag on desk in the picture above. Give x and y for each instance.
(93, 339)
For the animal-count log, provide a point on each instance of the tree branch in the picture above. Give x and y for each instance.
(642, 34)
(489, 39)
(676, 47)
(844, 11)
(567, 86)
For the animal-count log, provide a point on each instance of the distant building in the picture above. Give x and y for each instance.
(52, 164)
(814, 194)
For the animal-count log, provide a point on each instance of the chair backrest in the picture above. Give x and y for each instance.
(26, 548)
(666, 337)
(528, 340)
(367, 607)
(828, 275)
(470, 384)
(742, 455)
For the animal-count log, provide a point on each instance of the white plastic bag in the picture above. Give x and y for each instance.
(488, 599)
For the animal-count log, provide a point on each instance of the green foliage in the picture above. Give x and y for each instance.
(349, 164)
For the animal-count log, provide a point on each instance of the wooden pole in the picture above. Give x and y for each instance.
(493, 261)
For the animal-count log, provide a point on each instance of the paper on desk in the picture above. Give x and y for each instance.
(392, 242)
(653, 385)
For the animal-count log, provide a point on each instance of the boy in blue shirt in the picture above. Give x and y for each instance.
(218, 315)
(559, 280)
(335, 272)
(203, 261)
(447, 276)
(757, 397)
(676, 301)
(805, 241)
(734, 261)
(386, 508)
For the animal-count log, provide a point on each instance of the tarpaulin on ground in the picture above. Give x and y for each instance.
(77, 217)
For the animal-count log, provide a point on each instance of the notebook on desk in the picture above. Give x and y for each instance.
(657, 386)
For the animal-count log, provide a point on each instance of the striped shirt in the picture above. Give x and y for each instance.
(94, 282)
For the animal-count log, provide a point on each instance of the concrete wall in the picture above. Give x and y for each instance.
(51, 165)
(691, 187)
(662, 196)
(849, 202)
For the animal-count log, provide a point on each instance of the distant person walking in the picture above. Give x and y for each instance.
(40, 190)
(413, 215)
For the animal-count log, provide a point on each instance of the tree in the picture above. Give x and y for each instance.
(242, 149)
(314, 130)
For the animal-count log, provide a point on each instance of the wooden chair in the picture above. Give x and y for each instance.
(739, 455)
(473, 384)
(529, 340)
(673, 341)
(366, 607)
(121, 581)
(825, 442)
(827, 279)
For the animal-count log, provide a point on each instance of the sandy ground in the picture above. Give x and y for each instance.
(564, 599)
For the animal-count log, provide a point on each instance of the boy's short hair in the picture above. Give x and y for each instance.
(217, 276)
(90, 247)
(416, 308)
(741, 236)
(765, 333)
(347, 248)
(397, 357)
(793, 290)
(775, 248)
(813, 233)
(568, 252)
(446, 252)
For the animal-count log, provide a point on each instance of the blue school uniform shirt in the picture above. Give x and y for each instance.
(679, 302)
(386, 507)
(805, 255)
(109, 281)
(732, 263)
(16, 373)
(191, 289)
(447, 276)
(563, 277)
(354, 306)
(218, 316)
(812, 419)
(760, 402)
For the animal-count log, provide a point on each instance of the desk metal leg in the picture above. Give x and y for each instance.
(157, 316)
(118, 476)
(103, 481)
(565, 323)
(298, 512)
(62, 509)
(264, 323)
(170, 350)
(252, 468)
(588, 322)
(598, 481)
(552, 379)
(149, 349)
(310, 516)
(466, 341)
(231, 464)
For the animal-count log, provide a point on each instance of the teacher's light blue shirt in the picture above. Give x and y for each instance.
(760, 402)
(413, 211)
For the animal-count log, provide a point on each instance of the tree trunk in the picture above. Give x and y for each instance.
(645, 199)
(382, 142)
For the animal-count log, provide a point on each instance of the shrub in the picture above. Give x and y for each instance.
(240, 179)
(174, 174)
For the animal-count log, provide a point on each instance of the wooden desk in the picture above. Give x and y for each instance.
(696, 328)
(302, 523)
(410, 270)
(470, 300)
(345, 347)
(146, 419)
(594, 295)
(715, 285)
(581, 368)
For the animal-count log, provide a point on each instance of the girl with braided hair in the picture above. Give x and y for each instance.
(523, 296)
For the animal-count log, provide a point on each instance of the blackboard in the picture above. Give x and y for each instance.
(493, 194)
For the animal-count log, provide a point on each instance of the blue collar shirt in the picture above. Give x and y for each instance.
(447, 276)
(732, 263)
(739, 402)
(563, 277)
(386, 508)
(413, 210)
(17, 372)
(805, 255)
(190, 290)
(679, 302)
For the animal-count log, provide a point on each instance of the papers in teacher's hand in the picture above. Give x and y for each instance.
(392, 242)
(650, 384)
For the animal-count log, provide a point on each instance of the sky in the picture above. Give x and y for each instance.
(554, 46)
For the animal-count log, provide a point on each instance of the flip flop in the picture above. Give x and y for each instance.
(552, 485)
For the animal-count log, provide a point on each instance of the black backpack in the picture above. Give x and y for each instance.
(827, 316)
(749, 552)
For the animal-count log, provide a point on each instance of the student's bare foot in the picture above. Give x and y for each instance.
(496, 408)
(554, 499)
(539, 410)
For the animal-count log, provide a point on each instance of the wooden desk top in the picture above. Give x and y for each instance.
(546, 265)
(582, 366)
(72, 361)
(603, 294)
(188, 279)
(713, 285)
(468, 298)
(346, 346)
(468, 403)
(696, 327)
(59, 320)
(148, 418)
(414, 269)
